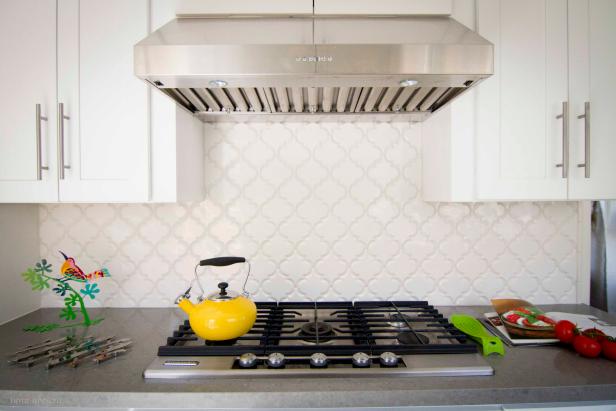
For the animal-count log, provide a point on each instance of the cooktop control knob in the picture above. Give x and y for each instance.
(275, 360)
(389, 359)
(318, 359)
(247, 360)
(361, 359)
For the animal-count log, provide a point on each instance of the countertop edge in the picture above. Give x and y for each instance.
(366, 398)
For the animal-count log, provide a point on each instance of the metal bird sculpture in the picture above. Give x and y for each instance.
(64, 286)
(72, 271)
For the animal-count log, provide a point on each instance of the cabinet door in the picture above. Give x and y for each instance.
(241, 7)
(383, 7)
(519, 129)
(27, 79)
(592, 57)
(106, 137)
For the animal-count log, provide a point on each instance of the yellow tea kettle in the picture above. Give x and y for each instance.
(223, 315)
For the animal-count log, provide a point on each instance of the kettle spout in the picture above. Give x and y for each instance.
(186, 305)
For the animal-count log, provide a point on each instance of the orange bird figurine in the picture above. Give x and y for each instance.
(71, 270)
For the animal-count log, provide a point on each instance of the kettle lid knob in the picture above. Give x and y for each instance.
(223, 294)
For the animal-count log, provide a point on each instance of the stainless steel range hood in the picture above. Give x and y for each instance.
(230, 69)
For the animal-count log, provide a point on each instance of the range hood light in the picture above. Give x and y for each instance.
(408, 83)
(218, 83)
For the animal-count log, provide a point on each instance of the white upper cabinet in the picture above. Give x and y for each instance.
(106, 134)
(520, 125)
(383, 7)
(241, 7)
(28, 80)
(592, 60)
(519, 134)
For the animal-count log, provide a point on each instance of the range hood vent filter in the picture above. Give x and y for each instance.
(216, 104)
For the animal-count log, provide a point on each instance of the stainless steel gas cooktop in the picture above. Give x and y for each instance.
(327, 339)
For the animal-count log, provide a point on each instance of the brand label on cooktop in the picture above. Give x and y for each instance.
(312, 59)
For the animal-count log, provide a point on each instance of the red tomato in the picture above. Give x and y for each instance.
(586, 346)
(609, 349)
(565, 331)
(513, 318)
(595, 334)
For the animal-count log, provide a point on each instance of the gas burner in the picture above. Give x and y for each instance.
(312, 329)
(399, 320)
(411, 338)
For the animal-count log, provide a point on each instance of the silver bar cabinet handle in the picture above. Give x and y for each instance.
(565, 160)
(61, 118)
(586, 117)
(39, 154)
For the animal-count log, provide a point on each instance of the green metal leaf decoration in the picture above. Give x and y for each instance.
(71, 300)
(67, 313)
(29, 275)
(43, 267)
(41, 283)
(61, 289)
(90, 290)
(36, 280)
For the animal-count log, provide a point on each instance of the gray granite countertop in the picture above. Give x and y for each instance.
(523, 375)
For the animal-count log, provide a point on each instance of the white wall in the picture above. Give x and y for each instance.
(19, 249)
(327, 211)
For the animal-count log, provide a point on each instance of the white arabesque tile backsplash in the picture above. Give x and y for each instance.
(327, 211)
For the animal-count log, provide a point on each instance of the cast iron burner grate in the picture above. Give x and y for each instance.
(333, 328)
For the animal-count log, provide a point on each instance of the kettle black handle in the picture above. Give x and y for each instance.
(222, 261)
